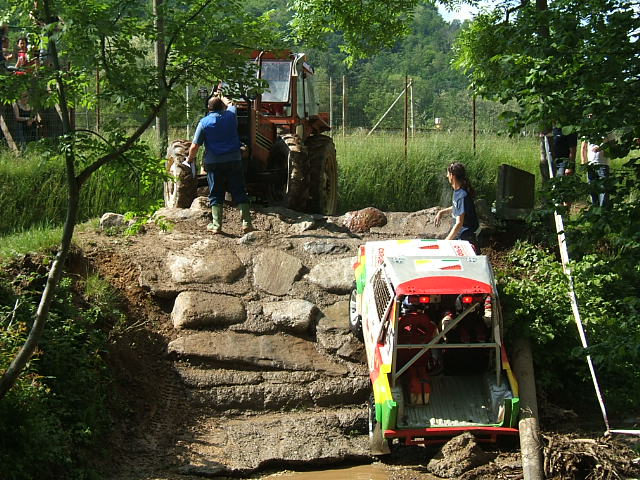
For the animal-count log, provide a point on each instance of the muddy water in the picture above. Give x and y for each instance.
(375, 471)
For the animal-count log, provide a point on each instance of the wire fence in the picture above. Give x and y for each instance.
(355, 105)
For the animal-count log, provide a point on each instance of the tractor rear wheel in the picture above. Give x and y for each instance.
(323, 167)
(180, 188)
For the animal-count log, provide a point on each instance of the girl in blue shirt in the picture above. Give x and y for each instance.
(463, 210)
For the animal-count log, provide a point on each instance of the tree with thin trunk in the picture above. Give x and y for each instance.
(202, 41)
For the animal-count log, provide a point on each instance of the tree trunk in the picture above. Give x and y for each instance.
(10, 376)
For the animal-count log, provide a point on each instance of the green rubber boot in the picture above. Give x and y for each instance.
(246, 218)
(216, 219)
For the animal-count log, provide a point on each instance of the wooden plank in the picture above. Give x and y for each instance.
(7, 133)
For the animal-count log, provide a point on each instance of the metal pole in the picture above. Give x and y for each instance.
(344, 105)
(413, 125)
(406, 116)
(331, 103)
(387, 112)
(474, 122)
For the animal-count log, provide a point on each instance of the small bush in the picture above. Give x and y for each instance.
(57, 411)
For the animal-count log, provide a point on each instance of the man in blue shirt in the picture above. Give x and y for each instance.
(218, 131)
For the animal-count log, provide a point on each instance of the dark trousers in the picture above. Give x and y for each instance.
(597, 173)
(223, 177)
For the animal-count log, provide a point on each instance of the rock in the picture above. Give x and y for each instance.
(324, 248)
(294, 315)
(334, 276)
(204, 262)
(275, 271)
(281, 351)
(458, 455)
(111, 220)
(335, 317)
(201, 204)
(303, 226)
(282, 438)
(360, 221)
(206, 310)
(180, 214)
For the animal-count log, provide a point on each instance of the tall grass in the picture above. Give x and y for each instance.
(33, 191)
(373, 171)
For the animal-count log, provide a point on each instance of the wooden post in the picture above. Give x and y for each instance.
(7, 132)
(330, 104)
(162, 122)
(530, 444)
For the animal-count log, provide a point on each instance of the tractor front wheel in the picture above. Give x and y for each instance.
(180, 187)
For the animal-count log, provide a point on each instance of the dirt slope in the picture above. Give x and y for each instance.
(237, 357)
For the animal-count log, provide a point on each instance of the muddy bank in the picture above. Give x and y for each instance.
(237, 359)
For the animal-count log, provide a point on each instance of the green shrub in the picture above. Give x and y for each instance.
(536, 303)
(57, 411)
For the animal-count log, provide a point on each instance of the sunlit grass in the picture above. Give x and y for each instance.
(373, 170)
(36, 239)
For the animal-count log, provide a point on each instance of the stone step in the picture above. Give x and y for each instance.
(242, 445)
(239, 391)
(280, 351)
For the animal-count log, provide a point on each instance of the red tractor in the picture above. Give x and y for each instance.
(288, 159)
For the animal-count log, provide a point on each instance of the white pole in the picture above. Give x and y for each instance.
(413, 125)
(188, 123)
(388, 110)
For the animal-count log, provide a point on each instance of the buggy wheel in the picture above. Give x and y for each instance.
(378, 445)
(355, 320)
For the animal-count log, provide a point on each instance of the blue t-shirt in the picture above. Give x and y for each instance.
(463, 203)
(218, 131)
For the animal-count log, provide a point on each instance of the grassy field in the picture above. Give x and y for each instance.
(373, 171)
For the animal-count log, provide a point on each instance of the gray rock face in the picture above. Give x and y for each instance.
(294, 315)
(274, 375)
(206, 310)
(324, 247)
(334, 275)
(319, 436)
(275, 271)
(283, 352)
(111, 220)
(229, 390)
(205, 262)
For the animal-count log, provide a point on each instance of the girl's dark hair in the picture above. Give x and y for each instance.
(457, 170)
